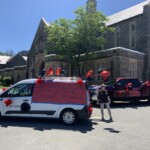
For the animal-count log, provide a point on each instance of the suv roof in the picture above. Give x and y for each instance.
(120, 78)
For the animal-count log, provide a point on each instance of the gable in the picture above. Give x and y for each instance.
(4, 59)
(17, 60)
(126, 14)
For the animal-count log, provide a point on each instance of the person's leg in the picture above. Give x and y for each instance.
(109, 111)
(102, 110)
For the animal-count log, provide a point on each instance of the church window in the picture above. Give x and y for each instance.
(117, 36)
(132, 68)
(132, 35)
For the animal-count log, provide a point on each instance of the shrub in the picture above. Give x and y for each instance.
(7, 81)
(1, 80)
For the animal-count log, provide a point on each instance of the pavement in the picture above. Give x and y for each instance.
(129, 131)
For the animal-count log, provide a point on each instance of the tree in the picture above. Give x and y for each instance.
(72, 39)
(7, 53)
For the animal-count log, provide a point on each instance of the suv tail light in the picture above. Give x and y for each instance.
(90, 109)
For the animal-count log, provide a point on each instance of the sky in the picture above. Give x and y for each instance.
(19, 19)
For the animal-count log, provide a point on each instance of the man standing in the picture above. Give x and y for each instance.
(104, 99)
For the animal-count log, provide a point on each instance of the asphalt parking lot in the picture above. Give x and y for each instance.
(130, 130)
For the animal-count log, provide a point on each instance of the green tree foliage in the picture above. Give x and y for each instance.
(7, 53)
(7, 81)
(72, 39)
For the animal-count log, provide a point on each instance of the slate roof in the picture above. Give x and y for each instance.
(127, 13)
(4, 59)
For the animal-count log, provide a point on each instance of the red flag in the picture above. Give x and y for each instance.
(89, 73)
(49, 71)
(58, 71)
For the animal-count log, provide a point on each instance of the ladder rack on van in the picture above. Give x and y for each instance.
(61, 78)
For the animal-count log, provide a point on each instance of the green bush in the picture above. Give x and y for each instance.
(7, 81)
(1, 80)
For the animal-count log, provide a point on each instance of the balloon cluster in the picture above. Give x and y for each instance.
(50, 72)
(103, 73)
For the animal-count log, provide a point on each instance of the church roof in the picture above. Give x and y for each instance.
(127, 13)
(45, 22)
(4, 59)
(25, 58)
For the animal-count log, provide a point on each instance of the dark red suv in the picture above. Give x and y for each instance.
(127, 89)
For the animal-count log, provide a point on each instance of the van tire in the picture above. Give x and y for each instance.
(69, 117)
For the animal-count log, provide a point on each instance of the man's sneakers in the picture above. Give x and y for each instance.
(103, 119)
(111, 120)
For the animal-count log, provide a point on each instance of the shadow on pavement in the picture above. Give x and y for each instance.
(45, 124)
(112, 130)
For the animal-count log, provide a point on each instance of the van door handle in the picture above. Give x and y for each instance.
(26, 100)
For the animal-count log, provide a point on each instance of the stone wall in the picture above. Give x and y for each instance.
(17, 73)
(121, 62)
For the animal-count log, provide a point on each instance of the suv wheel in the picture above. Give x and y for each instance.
(69, 117)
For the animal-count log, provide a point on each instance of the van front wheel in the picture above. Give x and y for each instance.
(69, 117)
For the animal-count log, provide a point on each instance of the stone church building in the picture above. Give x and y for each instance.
(126, 52)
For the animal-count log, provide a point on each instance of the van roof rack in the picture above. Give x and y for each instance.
(60, 78)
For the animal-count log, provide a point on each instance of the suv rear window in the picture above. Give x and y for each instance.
(135, 83)
(123, 82)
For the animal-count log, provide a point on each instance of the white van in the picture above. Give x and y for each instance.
(63, 98)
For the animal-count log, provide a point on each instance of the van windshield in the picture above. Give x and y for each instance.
(19, 90)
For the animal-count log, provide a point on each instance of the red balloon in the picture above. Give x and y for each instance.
(39, 80)
(105, 73)
(79, 81)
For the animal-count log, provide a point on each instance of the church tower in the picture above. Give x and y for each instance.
(91, 6)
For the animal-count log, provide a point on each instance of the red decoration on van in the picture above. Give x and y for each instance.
(8, 102)
(39, 80)
(49, 72)
(58, 71)
(79, 81)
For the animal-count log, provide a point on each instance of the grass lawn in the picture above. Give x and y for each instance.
(1, 86)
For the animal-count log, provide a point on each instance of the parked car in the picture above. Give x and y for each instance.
(124, 89)
(94, 90)
(64, 98)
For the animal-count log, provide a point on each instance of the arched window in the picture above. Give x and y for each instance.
(132, 35)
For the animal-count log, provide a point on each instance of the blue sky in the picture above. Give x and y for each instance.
(19, 19)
